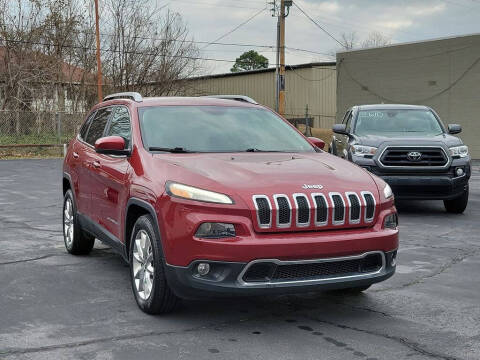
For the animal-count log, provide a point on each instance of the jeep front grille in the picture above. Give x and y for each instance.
(419, 156)
(299, 210)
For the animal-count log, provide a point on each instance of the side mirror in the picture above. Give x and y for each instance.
(316, 142)
(111, 145)
(340, 129)
(454, 128)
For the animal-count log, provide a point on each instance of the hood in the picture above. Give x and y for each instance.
(379, 141)
(267, 173)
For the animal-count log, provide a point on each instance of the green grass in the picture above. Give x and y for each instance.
(41, 139)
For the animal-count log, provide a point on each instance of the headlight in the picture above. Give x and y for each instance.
(387, 191)
(362, 150)
(460, 151)
(215, 231)
(193, 193)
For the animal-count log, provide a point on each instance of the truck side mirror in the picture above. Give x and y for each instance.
(340, 129)
(454, 128)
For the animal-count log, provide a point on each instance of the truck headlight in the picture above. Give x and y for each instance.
(387, 191)
(362, 150)
(459, 151)
(193, 193)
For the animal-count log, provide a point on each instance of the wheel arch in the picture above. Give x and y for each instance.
(136, 208)
(66, 183)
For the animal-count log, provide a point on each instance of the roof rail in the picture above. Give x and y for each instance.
(234, 97)
(135, 96)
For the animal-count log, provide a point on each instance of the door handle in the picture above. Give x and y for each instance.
(96, 164)
(75, 155)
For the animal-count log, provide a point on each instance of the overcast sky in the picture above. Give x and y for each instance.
(402, 21)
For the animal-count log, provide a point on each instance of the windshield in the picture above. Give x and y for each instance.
(217, 129)
(397, 123)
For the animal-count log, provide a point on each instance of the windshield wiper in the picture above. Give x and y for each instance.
(260, 150)
(171, 150)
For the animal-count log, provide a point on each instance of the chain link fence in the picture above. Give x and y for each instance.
(32, 133)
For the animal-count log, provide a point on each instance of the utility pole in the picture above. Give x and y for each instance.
(281, 12)
(99, 60)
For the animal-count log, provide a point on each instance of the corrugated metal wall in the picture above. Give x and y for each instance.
(443, 74)
(313, 86)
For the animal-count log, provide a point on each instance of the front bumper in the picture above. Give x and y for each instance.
(227, 279)
(411, 183)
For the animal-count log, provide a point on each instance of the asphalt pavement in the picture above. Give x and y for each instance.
(57, 306)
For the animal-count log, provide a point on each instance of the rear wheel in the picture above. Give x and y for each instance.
(77, 242)
(147, 271)
(457, 205)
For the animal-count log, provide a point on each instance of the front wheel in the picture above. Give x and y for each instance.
(76, 241)
(147, 272)
(457, 205)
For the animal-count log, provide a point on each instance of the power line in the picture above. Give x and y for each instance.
(317, 24)
(236, 27)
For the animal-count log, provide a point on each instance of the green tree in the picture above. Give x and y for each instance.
(250, 60)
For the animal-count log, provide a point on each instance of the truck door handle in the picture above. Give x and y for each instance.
(75, 155)
(96, 164)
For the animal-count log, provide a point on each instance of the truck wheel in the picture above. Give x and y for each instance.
(77, 242)
(147, 272)
(457, 205)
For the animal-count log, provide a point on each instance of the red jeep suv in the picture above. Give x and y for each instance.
(219, 196)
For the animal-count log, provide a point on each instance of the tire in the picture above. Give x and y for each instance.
(147, 269)
(457, 205)
(77, 242)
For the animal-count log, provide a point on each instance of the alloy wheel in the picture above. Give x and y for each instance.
(143, 265)
(68, 225)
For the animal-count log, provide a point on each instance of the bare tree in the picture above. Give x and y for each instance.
(349, 40)
(149, 48)
(376, 39)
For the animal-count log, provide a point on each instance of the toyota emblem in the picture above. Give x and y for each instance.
(414, 156)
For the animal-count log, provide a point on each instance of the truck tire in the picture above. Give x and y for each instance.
(77, 242)
(147, 269)
(457, 205)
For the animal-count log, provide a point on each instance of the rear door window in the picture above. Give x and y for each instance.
(98, 125)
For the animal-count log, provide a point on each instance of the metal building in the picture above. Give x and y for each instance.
(443, 74)
(309, 85)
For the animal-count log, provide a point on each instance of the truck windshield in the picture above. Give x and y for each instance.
(397, 123)
(217, 129)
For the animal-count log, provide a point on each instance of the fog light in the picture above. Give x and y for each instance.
(459, 171)
(391, 221)
(215, 231)
(203, 269)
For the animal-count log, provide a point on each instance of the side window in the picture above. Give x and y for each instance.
(120, 125)
(98, 125)
(348, 123)
(85, 126)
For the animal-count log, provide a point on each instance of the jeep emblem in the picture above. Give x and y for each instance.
(414, 155)
(314, 186)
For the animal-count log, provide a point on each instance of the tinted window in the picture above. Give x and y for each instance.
(349, 122)
(120, 125)
(86, 124)
(397, 123)
(98, 125)
(219, 129)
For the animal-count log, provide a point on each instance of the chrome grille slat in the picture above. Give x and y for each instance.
(354, 208)
(338, 204)
(370, 204)
(284, 210)
(321, 209)
(303, 209)
(264, 211)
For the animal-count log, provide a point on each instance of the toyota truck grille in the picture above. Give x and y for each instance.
(291, 212)
(410, 157)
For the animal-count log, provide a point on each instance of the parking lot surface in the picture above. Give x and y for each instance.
(57, 306)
